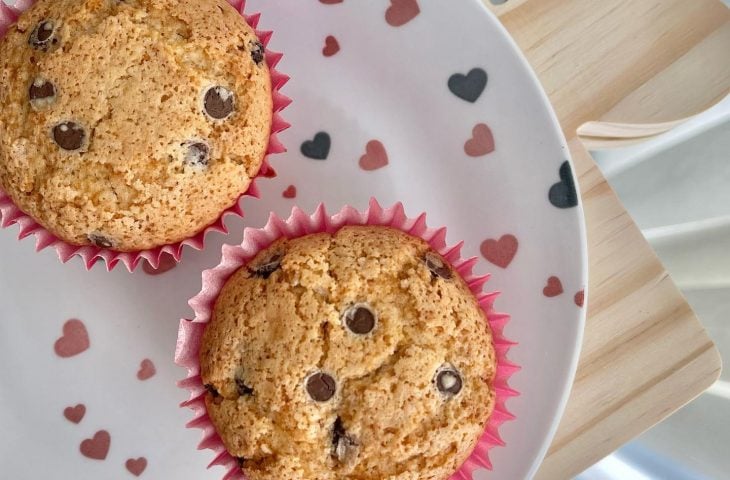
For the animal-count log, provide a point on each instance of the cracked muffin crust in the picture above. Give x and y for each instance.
(130, 124)
(359, 355)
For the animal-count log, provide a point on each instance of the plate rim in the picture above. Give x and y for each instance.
(567, 387)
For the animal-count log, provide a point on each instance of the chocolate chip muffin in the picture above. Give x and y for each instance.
(130, 124)
(359, 355)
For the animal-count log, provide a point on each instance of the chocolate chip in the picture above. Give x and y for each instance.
(69, 136)
(438, 267)
(243, 389)
(448, 381)
(197, 154)
(42, 35)
(342, 443)
(100, 240)
(258, 52)
(218, 102)
(321, 387)
(240, 461)
(338, 431)
(211, 389)
(268, 266)
(41, 90)
(217, 398)
(360, 319)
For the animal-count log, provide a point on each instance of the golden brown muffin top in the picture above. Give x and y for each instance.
(359, 355)
(131, 124)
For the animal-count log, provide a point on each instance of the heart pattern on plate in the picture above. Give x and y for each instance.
(75, 414)
(290, 192)
(564, 194)
(97, 447)
(318, 148)
(500, 252)
(136, 466)
(330, 2)
(146, 370)
(376, 157)
(553, 288)
(579, 298)
(469, 87)
(401, 12)
(331, 46)
(75, 339)
(481, 143)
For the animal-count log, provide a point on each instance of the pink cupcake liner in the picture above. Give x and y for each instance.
(11, 214)
(300, 224)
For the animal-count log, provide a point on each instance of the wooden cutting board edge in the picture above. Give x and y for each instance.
(645, 353)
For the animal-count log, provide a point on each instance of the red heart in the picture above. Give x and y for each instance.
(75, 414)
(75, 339)
(330, 2)
(146, 369)
(401, 12)
(500, 252)
(290, 192)
(97, 447)
(136, 465)
(167, 263)
(375, 156)
(579, 298)
(553, 288)
(331, 46)
(481, 143)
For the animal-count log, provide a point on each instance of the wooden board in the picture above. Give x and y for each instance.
(645, 353)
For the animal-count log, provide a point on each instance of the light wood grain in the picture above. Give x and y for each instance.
(607, 135)
(645, 353)
(626, 130)
(590, 56)
(692, 83)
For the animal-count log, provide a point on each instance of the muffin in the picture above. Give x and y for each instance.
(358, 355)
(131, 124)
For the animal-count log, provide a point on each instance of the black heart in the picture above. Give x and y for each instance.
(469, 87)
(318, 148)
(563, 194)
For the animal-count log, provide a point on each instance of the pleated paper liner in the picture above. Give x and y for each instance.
(10, 214)
(300, 224)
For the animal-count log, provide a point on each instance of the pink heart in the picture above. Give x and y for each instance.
(136, 465)
(553, 288)
(401, 12)
(579, 298)
(375, 156)
(146, 369)
(290, 192)
(331, 46)
(75, 339)
(75, 414)
(167, 263)
(97, 447)
(500, 252)
(481, 143)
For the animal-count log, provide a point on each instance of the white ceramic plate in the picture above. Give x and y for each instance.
(386, 83)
